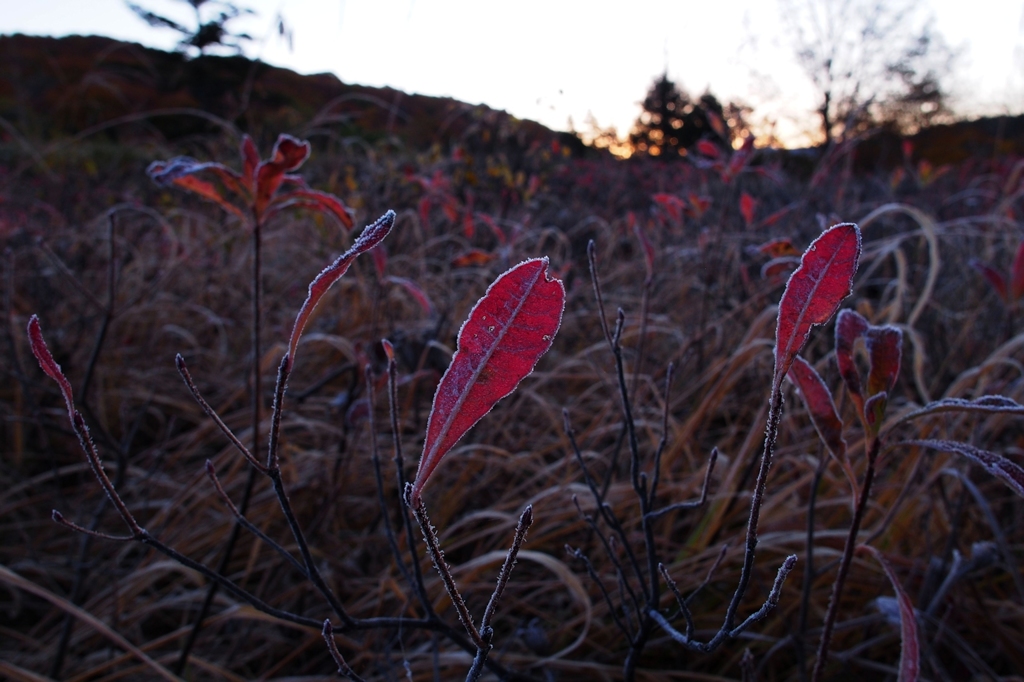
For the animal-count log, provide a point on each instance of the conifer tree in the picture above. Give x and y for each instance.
(672, 122)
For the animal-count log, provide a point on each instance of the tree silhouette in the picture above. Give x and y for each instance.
(209, 31)
(873, 63)
(672, 122)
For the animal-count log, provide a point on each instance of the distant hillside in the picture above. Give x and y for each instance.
(55, 87)
(58, 87)
(948, 144)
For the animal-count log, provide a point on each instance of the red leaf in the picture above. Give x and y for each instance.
(182, 171)
(507, 332)
(994, 277)
(369, 238)
(850, 326)
(885, 346)
(289, 153)
(472, 257)
(819, 403)
(709, 149)
(414, 290)
(314, 200)
(910, 656)
(747, 206)
(1017, 274)
(739, 159)
(814, 291)
(450, 210)
(48, 364)
(672, 205)
(777, 248)
(250, 160)
(208, 191)
(997, 465)
(389, 349)
(647, 247)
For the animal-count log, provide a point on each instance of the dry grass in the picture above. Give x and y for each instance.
(182, 274)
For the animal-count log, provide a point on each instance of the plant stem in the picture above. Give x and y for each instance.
(805, 602)
(844, 563)
(254, 448)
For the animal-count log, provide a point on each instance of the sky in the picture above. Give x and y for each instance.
(563, 62)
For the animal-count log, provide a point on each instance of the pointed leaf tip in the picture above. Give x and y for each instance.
(48, 364)
(815, 290)
(910, 650)
(389, 350)
(1007, 471)
(370, 237)
(506, 333)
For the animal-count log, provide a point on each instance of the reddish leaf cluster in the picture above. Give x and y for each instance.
(261, 190)
(884, 346)
(695, 206)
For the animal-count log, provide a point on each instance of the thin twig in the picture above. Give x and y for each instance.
(108, 312)
(578, 554)
(389, 531)
(59, 518)
(606, 542)
(706, 647)
(399, 462)
(437, 557)
(691, 504)
(343, 667)
(603, 508)
(307, 555)
(212, 414)
(663, 443)
(525, 521)
(808, 582)
(595, 282)
(211, 472)
(683, 607)
(711, 572)
(844, 563)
